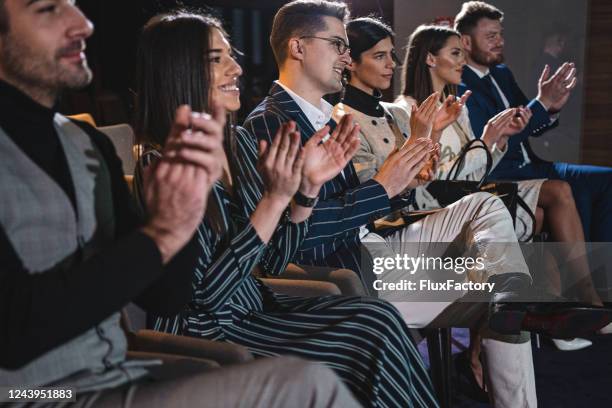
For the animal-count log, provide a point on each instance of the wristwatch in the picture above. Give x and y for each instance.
(301, 199)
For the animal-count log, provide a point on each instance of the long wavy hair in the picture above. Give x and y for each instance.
(416, 77)
(173, 70)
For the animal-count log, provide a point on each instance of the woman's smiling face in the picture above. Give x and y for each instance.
(449, 62)
(224, 71)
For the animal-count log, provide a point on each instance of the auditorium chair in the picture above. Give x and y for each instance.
(147, 344)
(124, 140)
(297, 280)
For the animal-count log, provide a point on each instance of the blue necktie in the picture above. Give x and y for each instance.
(499, 103)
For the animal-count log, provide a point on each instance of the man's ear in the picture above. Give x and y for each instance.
(295, 49)
(466, 42)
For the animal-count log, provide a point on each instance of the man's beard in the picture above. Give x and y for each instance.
(32, 71)
(486, 58)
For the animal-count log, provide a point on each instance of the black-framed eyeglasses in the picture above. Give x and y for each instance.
(341, 46)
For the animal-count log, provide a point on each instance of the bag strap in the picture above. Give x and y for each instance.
(471, 145)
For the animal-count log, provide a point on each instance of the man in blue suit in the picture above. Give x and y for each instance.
(494, 89)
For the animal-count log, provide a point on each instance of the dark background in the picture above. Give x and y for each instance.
(587, 121)
(111, 51)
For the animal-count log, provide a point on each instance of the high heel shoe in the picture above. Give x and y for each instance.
(606, 329)
(572, 345)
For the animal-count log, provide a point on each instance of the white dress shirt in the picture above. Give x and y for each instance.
(526, 159)
(317, 116)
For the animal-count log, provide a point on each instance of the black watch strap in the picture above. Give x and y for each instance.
(301, 199)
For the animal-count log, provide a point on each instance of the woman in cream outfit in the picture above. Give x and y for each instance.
(386, 126)
(434, 62)
(452, 140)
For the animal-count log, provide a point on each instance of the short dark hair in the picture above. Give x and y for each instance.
(4, 21)
(471, 13)
(302, 17)
(171, 70)
(416, 78)
(364, 33)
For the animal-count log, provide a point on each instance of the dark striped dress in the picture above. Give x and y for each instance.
(364, 340)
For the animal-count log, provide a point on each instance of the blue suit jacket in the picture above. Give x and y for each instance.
(344, 204)
(481, 106)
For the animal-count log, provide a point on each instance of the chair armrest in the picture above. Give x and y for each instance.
(302, 288)
(170, 358)
(157, 342)
(346, 280)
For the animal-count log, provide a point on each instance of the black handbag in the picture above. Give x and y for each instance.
(451, 190)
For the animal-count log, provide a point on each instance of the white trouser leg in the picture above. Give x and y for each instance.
(479, 222)
(510, 375)
(478, 225)
(481, 227)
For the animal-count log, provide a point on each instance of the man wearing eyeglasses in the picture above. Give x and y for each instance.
(73, 251)
(310, 45)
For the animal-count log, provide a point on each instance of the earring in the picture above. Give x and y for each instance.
(432, 66)
(345, 79)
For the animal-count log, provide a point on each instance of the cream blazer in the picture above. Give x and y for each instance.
(378, 135)
(452, 140)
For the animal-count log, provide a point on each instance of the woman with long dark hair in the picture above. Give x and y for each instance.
(421, 79)
(433, 63)
(374, 60)
(385, 127)
(186, 58)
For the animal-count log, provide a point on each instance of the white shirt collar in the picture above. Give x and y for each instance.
(478, 72)
(481, 75)
(317, 117)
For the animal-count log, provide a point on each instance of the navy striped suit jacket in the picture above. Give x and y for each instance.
(344, 204)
